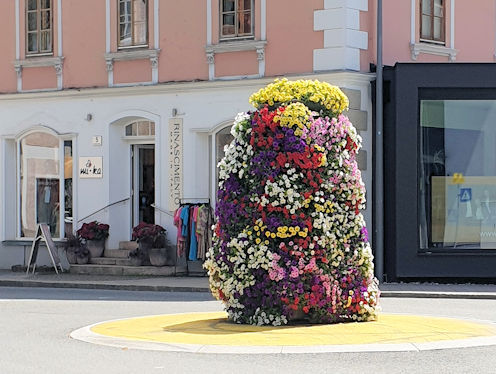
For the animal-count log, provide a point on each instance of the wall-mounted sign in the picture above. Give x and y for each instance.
(96, 140)
(90, 167)
(175, 162)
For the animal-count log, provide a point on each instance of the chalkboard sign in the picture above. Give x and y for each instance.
(43, 233)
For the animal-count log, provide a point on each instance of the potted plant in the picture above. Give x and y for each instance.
(151, 241)
(83, 255)
(136, 257)
(72, 244)
(94, 235)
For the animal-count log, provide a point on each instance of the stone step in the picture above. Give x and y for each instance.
(91, 269)
(116, 253)
(110, 261)
(128, 245)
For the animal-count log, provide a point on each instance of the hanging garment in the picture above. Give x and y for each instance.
(210, 225)
(181, 240)
(193, 242)
(202, 231)
(185, 221)
(177, 221)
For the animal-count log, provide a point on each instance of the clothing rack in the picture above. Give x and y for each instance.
(194, 200)
(188, 202)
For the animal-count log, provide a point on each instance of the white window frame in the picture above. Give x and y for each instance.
(147, 23)
(38, 28)
(441, 41)
(61, 176)
(236, 36)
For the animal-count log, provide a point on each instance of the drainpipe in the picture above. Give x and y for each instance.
(379, 157)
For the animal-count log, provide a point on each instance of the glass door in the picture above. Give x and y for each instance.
(143, 183)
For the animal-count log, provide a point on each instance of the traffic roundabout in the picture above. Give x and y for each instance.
(212, 332)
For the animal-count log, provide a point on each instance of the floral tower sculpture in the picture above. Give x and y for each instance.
(290, 242)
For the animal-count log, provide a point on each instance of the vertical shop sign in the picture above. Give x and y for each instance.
(175, 162)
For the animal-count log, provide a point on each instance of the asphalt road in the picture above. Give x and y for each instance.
(35, 325)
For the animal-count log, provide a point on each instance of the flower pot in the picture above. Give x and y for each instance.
(158, 256)
(82, 260)
(145, 246)
(135, 261)
(71, 255)
(96, 247)
(298, 316)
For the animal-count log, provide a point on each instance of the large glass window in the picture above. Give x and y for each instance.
(457, 174)
(236, 18)
(133, 23)
(43, 180)
(222, 139)
(39, 27)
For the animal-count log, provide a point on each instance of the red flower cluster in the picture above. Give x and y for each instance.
(147, 231)
(94, 231)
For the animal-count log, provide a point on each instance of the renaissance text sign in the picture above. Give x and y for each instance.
(90, 167)
(175, 162)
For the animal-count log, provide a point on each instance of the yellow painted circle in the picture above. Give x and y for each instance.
(215, 329)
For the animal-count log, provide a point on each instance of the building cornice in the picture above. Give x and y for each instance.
(338, 78)
(433, 49)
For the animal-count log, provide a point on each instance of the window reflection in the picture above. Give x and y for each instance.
(458, 174)
(222, 138)
(39, 183)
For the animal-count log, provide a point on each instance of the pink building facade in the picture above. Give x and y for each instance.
(120, 82)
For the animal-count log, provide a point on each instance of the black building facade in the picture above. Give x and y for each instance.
(440, 171)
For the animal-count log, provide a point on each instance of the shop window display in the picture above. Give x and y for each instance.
(457, 174)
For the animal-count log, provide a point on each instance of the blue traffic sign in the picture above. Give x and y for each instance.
(465, 194)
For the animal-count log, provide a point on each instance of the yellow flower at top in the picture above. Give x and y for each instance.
(283, 91)
(294, 115)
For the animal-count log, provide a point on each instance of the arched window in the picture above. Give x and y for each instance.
(45, 183)
(141, 128)
(222, 138)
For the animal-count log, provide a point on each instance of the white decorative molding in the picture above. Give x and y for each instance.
(36, 62)
(59, 27)
(154, 62)
(236, 46)
(18, 69)
(339, 58)
(17, 31)
(134, 54)
(339, 78)
(39, 62)
(352, 4)
(452, 24)
(432, 49)
(211, 65)
(263, 19)
(343, 39)
(129, 55)
(261, 54)
(110, 65)
(107, 26)
(336, 18)
(209, 22)
(346, 38)
(156, 24)
(210, 58)
(413, 21)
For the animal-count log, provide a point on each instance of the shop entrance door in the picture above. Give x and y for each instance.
(143, 183)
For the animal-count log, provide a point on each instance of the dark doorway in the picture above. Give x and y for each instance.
(143, 184)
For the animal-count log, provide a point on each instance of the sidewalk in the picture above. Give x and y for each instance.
(200, 284)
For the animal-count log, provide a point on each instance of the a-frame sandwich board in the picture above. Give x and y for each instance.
(43, 233)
